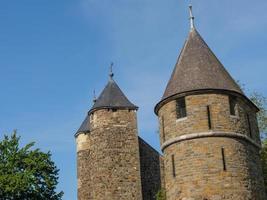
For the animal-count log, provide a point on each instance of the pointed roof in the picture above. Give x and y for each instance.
(112, 97)
(85, 127)
(198, 68)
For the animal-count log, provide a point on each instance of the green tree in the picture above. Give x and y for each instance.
(161, 195)
(264, 162)
(26, 174)
(261, 102)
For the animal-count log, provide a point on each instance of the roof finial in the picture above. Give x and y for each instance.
(192, 25)
(94, 98)
(111, 74)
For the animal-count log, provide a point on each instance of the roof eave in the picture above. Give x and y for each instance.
(202, 91)
(113, 107)
(80, 132)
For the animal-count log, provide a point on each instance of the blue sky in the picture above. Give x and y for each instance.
(53, 54)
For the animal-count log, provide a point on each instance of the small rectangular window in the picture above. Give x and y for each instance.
(223, 160)
(249, 126)
(173, 167)
(180, 108)
(163, 128)
(232, 104)
(209, 117)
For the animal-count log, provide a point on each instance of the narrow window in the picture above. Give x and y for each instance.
(209, 117)
(114, 110)
(249, 126)
(223, 160)
(173, 167)
(232, 104)
(163, 129)
(180, 108)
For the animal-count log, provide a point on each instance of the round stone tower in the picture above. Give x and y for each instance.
(107, 149)
(208, 130)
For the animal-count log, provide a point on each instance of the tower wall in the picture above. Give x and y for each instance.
(220, 161)
(108, 157)
(152, 176)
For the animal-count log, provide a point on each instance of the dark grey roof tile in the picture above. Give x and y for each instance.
(198, 68)
(85, 127)
(112, 97)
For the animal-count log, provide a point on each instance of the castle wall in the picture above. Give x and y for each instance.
(200, 173)
(218, 163)
(197, 118)
(151, 175)
(108, 157)
(84, 167)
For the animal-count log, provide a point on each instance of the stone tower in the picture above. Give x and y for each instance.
(107, 149)
(208, 130)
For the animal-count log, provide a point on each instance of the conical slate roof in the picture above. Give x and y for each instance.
(112, 97)
(85, 127)
(198, 68)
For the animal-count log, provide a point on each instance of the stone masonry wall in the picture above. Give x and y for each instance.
(108, 158)
(197, 118)
(84, 167)
(200, 174)
(195, 168)
(150, 170)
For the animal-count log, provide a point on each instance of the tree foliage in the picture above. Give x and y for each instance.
(261, 102)
(161, 195)
(264, 162)
(26, 174)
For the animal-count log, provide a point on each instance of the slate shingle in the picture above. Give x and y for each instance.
(112, 97)
(198, 68)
